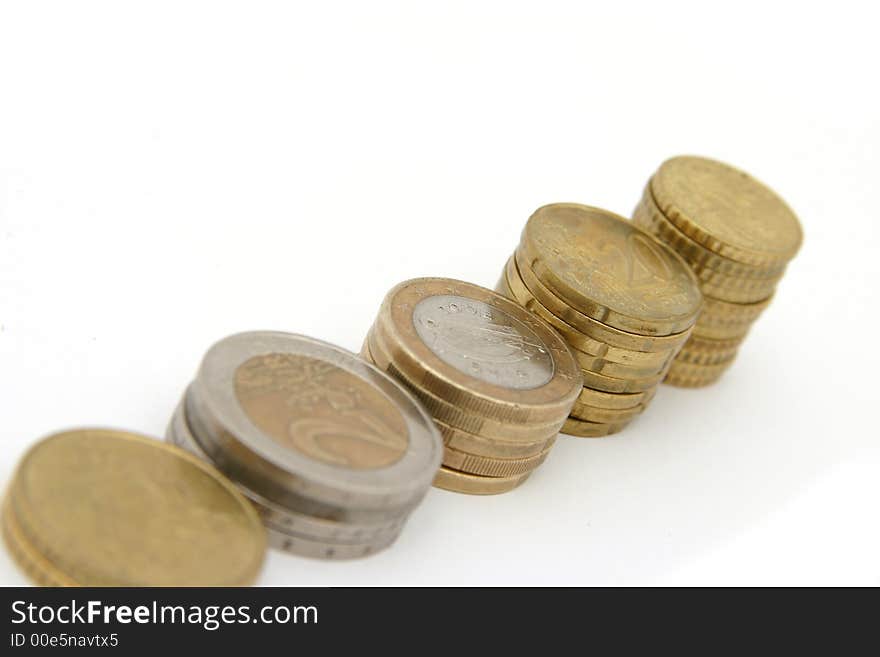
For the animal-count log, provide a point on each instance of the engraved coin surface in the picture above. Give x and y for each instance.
(483, 341)
(610, 270)
(321, 410)
(726, 209)
(110, 508)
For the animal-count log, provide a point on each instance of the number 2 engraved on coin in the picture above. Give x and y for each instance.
(482, 341)
(321, 410)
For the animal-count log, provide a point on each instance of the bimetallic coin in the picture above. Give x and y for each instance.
(582, 429)
(290, 519)
(452, 414)
(290, 418)
(727, 211)
(462, 482)
(526, 284)
(477, 350)
(609, 270)
(308, 546)
(175, 520)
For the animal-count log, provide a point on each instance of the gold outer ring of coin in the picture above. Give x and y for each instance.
(523, 284)
(462, 482)
(681, 183)
(577, 341)
(582, 429)
(39, 528)
(615, 401)
(545, 403)
(491, 467)
(627, 258)
(520, 435)
(649, 218)
(32, 563)
(604, 415)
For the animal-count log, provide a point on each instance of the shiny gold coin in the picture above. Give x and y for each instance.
(609, 270)
(582, 429)
(727, 211)
(602, 366)
(705, 263)
(528, 435)
(615, 401)
(492, 448)
(577, 341)
(31, 562)
(491, 467)
(462, 482)
(478, 350)
(703, 351)
(604, 415)
(175, 520)
(525, 285)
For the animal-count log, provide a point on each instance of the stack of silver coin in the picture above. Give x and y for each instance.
(333, 453)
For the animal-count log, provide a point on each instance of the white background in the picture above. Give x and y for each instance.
(174, 172)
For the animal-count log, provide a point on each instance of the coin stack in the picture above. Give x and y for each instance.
(737, 236)
(624, 303)
(333, 453)
(96, 507)
(498, 381)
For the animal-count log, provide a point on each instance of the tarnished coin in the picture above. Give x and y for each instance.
(462, 482)
(295, 419)
(175, 520)
(609, 270)
(478, 351)
(526, 435)
(727, 211)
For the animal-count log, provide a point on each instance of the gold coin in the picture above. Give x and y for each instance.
(602, 366)
(440, 409)
(688, 375)
(31, 562)
(175, 520)
(604, 415)
(583, 429)
(491, 467)
(615, 401)
(722, 332)
(525, 284)
(705, 263)
(727, 211)
(577, 341)
(462, 482)
(609, 270)
(478, 350)
(612, 384)
(721, 312)
(703, 351)
(496, 448)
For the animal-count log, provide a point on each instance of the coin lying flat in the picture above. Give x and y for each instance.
(96, 507)
(609, 269)
(478, 350)
(586, 429)
(726, 210)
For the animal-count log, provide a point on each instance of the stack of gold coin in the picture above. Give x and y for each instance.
(624, 303)
(333, 453)
(737, 236)
(96, 507)
(498, 381)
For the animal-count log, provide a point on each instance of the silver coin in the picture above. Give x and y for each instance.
(306, 546)
(295, 420)
(483, 341)
(179, 433)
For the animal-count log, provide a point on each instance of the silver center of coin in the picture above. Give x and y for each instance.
(483, 342)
